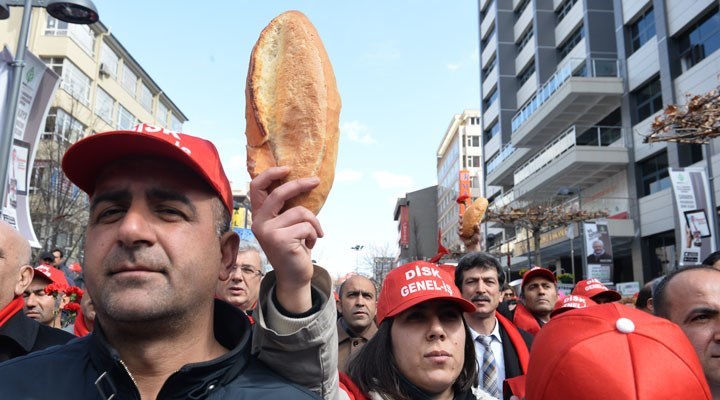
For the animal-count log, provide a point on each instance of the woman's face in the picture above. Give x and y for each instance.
(428, 345)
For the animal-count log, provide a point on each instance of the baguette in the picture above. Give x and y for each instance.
(473, 215)
(292, 107)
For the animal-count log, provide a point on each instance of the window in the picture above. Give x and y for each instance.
(109, 60)
(129, 80)
(492, 131)
(473, 140)
(490, 99)
(175, 124)
(471, 161)
(524, 39)
(526, 73)
(491, 65)
(62, 127)
(81, 34)
(648, 99)
(642, 30)
(73, 80)
(104, 105)
(162, 114)
(521, 9)
(572, 41)
(654, 174)
(564, 9)
(484, 42)
(125, 119)
(146, 97)
(701, 40)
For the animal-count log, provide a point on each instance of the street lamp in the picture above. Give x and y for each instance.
(70, 11)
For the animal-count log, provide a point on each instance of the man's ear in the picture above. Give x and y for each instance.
(650, 305)
(24, 278)
(229, 243)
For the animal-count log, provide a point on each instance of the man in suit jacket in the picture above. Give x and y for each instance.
(479, 277)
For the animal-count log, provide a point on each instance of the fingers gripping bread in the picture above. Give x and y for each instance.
(292, 108)
(473, 215)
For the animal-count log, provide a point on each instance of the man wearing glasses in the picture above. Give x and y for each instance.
(242, 287)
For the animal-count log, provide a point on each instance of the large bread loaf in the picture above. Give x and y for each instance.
(293, 106)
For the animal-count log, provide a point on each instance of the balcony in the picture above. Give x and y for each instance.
(572, 160)
(579, 93)
(500, 168)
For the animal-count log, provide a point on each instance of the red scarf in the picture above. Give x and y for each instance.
(11, 309)
(524, 320)
(80, 329)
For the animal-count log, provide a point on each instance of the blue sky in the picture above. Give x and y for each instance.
(403, 68)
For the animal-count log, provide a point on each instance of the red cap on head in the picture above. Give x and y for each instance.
(413, 283)
(538, 271)
(612, 351)
(571, 302)
(595, 290)
(84, 160)
(51, 273)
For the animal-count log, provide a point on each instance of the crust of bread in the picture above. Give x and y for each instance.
(472, 216)
(292, 110)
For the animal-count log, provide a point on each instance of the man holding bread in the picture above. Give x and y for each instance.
(158, 241)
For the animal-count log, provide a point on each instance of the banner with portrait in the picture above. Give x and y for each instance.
(695, 215)
(599, 259)
(36, 93)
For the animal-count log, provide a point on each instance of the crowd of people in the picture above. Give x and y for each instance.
(172, 304)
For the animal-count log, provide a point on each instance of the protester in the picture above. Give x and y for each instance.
(157, 241)
(19, 335)
(611, 351)
(641, 302)
(55, 259)
(479, 277)
(357, 304)
(690, 297)
(508, 296)
(537, 300)
(595, 290)
(241, 289)
(45, 297)
(85, 318)
(423, 348)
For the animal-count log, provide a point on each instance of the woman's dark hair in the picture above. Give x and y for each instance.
(374, 368)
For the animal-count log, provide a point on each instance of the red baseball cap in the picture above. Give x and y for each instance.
(612, 351)
(51, 273)
(595, 290)
(571, 302)
(416, 282)
(84, 160)
(538, 271)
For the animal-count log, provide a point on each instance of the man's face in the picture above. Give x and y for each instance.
(507, 294)
(694, 304)
(152, 251)
(58, 259)
(481, 286)
(598, 248)
(10, 249)
(39, 305)
(241, 289)
(358, 303)
(540, 295)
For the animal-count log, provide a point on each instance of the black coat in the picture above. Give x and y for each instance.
(90, 368)
(21, 335)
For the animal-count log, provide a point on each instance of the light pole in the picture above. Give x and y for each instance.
(70, 11)
(357, 249)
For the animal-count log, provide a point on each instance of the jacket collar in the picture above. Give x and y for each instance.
(344, 331)
(232, 330)
(21, 329)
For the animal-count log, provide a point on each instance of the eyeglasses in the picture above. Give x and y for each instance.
(248, 271)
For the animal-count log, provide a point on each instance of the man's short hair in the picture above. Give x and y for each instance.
(251, 244)
(660, 301)
(477, 259)
(342, 285)
(712, 259)
(59, 251)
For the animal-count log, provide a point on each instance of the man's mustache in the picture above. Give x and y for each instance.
(480, 297)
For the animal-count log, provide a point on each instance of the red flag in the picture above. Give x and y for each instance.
(441, 249)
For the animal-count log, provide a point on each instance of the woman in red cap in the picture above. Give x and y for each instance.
(423, 349)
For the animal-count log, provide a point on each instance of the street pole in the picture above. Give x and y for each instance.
(12, 101)
(713, 204)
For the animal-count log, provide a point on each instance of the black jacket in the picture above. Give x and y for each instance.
(21, 335)
(90, 368)
(510, 355)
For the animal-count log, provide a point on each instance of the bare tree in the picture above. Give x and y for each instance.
(58, 208)
(696, 122)
(539, 217)
(379, 258)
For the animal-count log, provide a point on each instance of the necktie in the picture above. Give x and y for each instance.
(489, 369)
